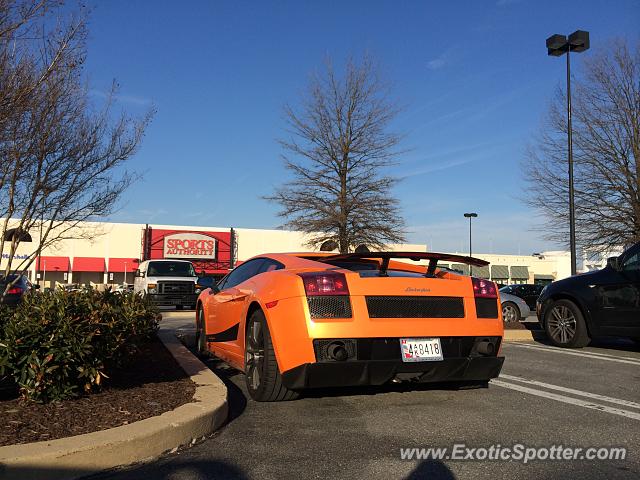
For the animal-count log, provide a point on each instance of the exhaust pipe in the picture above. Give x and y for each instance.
(337, 351)
(486, 348)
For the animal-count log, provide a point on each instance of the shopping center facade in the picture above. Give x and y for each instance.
(102, 253)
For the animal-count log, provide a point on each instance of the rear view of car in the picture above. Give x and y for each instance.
(297, 321)
(18, 287)
(374, 323)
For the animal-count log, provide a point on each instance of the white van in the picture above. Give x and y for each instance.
(167, 282)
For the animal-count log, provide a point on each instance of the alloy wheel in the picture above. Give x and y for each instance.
(509, 313)
(254, 354)
(561, 324)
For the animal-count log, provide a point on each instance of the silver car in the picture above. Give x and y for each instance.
(514, 309)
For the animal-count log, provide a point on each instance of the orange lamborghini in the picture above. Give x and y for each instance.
(298, 321)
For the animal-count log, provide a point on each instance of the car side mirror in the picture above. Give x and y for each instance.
(613, 262)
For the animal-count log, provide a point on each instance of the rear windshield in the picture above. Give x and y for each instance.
(170, 269)
(372, 269)
(8, 279)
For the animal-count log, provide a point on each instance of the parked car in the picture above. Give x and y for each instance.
(514, 309)
(528, 292)
(600, 303)
(123, 288)
(18, 290)
(298, 321)
(167, 282)
(72, 287)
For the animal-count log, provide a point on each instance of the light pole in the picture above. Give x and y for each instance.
(558, 45)
(470, 215)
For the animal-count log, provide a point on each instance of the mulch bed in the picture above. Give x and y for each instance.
(514, 326)
(152, 384)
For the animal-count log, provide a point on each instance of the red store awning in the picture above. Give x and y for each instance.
(120, 264)
(52, 264)
(88, 264)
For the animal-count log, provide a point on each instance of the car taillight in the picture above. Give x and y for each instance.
(14, 291)
(484, 288)
(324, 283)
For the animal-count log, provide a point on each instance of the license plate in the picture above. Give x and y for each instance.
(421, 349)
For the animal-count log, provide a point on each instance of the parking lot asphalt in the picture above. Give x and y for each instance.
(544, 397)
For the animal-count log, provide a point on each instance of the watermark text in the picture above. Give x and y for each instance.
(517, 453)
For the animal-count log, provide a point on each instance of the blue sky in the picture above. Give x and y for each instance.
(474, 77)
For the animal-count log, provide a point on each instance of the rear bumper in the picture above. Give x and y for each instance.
(11, 300)
(378, 372)
(169, 299)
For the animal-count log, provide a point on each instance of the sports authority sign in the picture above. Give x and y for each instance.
(190, 245)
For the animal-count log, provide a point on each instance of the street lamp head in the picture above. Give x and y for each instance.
(579, 41)
(556, 52)
(470, 215)
(556, 42)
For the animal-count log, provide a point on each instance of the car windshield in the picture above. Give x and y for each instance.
(171, 269)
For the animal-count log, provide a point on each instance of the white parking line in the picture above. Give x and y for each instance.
(590, 352)
(585, 352)
(593, 355)
(565, 399)
(595, 396)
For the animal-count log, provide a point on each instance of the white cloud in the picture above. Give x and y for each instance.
(436, 167)
(461, 156)
(436, 63)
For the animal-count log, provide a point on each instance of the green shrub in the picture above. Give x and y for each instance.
(58, 344)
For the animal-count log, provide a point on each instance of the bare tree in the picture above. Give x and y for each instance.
(62, 161)
(338, 150)
(606, 136)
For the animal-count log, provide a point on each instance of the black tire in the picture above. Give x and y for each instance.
(565, 325)
(510, 312)
(201, 335)
(178, 307)
(262, 374)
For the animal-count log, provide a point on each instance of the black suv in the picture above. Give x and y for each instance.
(601, 303)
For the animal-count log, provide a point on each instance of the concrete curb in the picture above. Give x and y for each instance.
(74, 457)
(518, 336)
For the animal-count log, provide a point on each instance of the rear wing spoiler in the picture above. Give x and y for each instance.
(415, 256)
